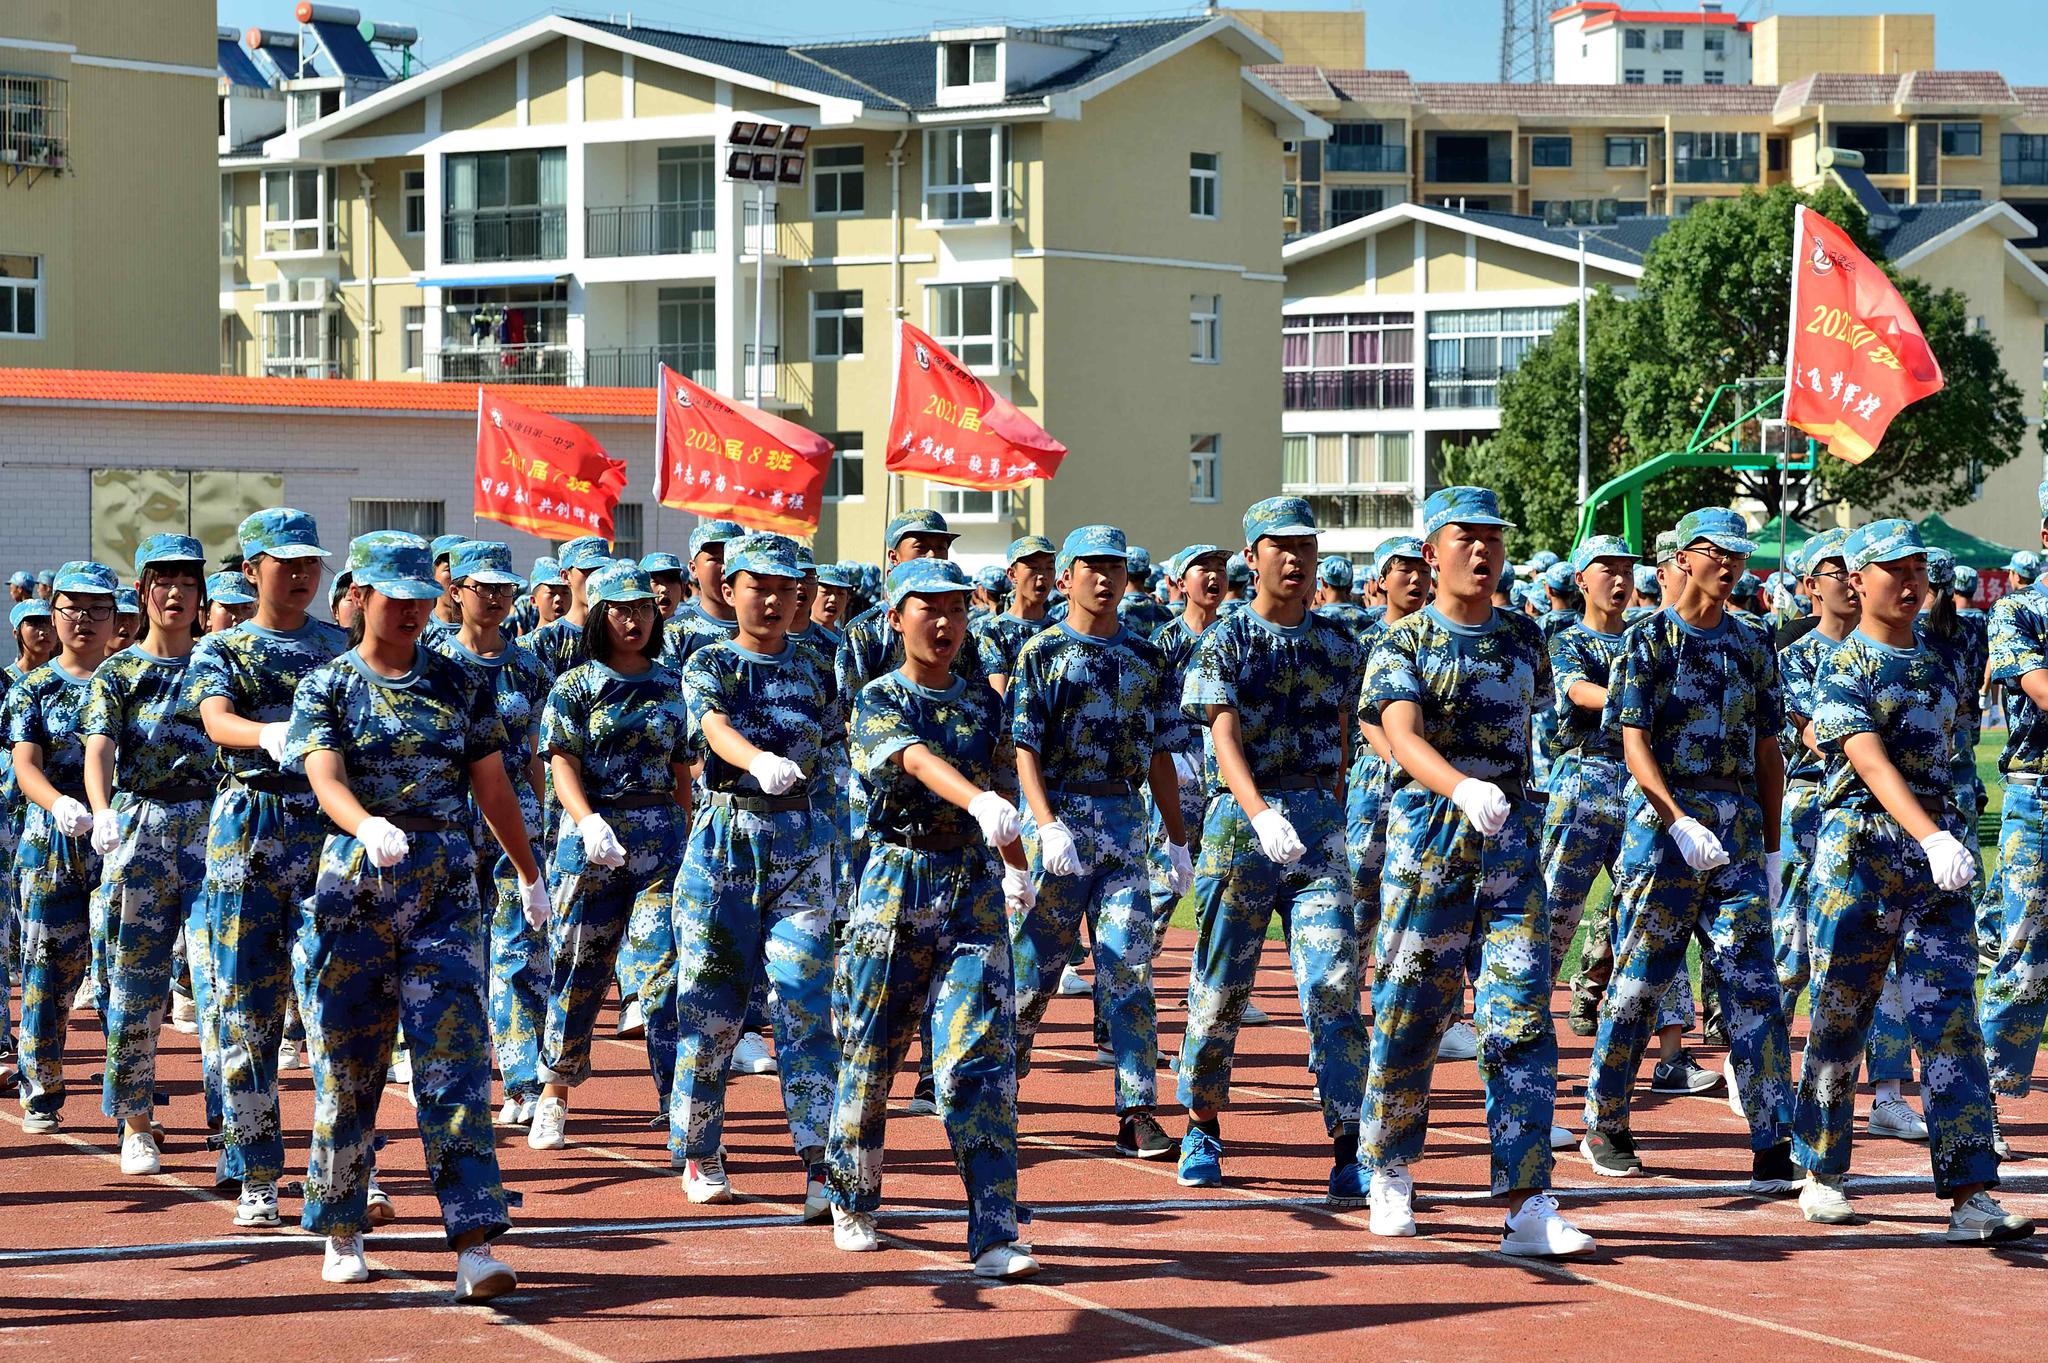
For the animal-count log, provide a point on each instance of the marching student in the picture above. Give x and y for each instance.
(127, 620)
(829, 603)
(396, 740)
(927, 943)
(666, 572)
(560, 641)
(1334, 578)
(480, 573)
(1139, 612)
(615, 732)
(1274, 683)
(54, 862)
(1197, 572)
(1701, 710)
(35, 643)
(547, 596)
(705, 618)
(1454, 685)
(147, 770)
(1092, 716)
(1887, 708)
(1404, 574)
(447, 617)
(229, 601)
(997, 637)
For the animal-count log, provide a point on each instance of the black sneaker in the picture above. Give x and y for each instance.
(1611, 1153)
(1139, 1136)
(1584, 1018)
(1715, 1033)
(924, 1099)
(1682, 1074)
(1772, 1173)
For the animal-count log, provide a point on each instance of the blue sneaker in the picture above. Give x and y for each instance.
(1201, 1160)
(1347, 1185)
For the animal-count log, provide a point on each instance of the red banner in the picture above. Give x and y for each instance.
(542, 474)
(950, 427)
(726, 459)
(1856, 356)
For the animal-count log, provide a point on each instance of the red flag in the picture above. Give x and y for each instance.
(721, 458)
(947, 425)
(1856, 356)
(542, 474)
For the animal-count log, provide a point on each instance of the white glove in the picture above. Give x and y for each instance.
(997, 817)
(1484, 804)
(1056, 850)
(270, 738)
(1774, 872)
(1186, 769)
(1019, 894)
(73, 819)
(534, 901)
(601, 846)
(775, 772)
(1700, 848)
(1180, 875)
(106, 831)
(1277, 838)
(1951, 863)
(383, 843)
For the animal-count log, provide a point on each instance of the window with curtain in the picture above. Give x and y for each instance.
(1348, 361)
(505, 205)
(1469, 351)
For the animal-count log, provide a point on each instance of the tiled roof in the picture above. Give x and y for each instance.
(1373, 86)
(1297, 82)
(770, 61)
(1922, 223)
(1560, 101)
(1630, 238)
(1955, 87)
(2034, 98)
(222, 390)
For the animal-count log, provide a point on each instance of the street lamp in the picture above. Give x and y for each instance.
(764, 154)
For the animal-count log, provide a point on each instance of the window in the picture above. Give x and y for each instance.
(1368, 460)
(1470, 351)
(1715, 42)
(2023, 158)
(33, 123)
(1204, 176)
(846, 480)
(1359, 361)
(1628, 151)
(301, 343)
(513, 334)
(1962, 196)
(972, 321)
(231, 352)
(1205, 468)
(1366, 147)
(21, 297)
(425, 519)
(970, 64)
(1632, 75)
(838, 182)
(1672, 77)
(966, 174)
(967, 503)
(1674, 40)
(1205, 313)
(836, 325)
(230, 240)
(1348, 203)
(1550, 152)
(412, 344)
(506, 205)
(1715, 158)
(1716, 78)
(412, 189)
(294, 212)
(1634, 38)
(1962, 139)
(627, 530)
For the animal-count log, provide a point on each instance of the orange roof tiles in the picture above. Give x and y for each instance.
(117, 388)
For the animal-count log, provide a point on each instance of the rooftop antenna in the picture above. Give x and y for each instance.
(1525, 42)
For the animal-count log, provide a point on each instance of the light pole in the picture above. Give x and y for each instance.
(1585, 488)
(764, 154)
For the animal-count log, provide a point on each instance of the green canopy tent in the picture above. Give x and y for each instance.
(1968, 549)
(1765, 559)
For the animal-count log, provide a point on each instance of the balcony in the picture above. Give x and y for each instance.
(1469, 170)
(488, 235)
(2023, 170)
(649, 230)
(637, 366)
(1464, 388)
(1881, 160)
(531, 364)
(1385, 158)
(1717, 170)
(758, 229)
(1347, 390)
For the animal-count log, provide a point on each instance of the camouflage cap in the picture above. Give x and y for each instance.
(709, 533)
(362, 546)
(1941, 568)
(230, 589)
(1091, 541)
(1719, 526)
(164, 549)
(619, 580)
(444, 546)
(394, 568)
(1822, 547)
(1024, 546)
(1400, 546)
(835, 575)
(991, 580)
(1140, 559)
(1461, 506)
(83, 577)
(1543, 560)
(762, 553)
(1558, 578)
(126, 602)
(1278, 516)
(921, 520)
(1598, 547)
(281, 532)
(486, 561)
(586, 553)
(1335, 571)
(24, 579)
(925, 577)
(1885, 541)
(1665, 547)
(547, 572)
(2025, 565)
(1177, 566)
(35, 608)
(663, 562)
(1646, 583)
(1966, 579)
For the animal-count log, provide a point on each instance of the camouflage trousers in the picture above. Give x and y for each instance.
(1237, 891)
(1455, 904)
(153, 880)
(1876, 908)
(56, 875)
(927, 946)
(1158, 867)
(754, 895)
(593, 907)
(378, 950)
(1112, 890)
(2016, 994)
(519, 955)
(832, 812)
(1660, 901)
(262, 856)
(1582, 837)
(10, 924)
(1365, 841)
(205, 1002)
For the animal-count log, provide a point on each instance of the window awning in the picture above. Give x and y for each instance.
(489, 281)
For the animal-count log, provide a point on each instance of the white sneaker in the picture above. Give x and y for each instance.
(1538, 1232)
(1734, 1091)
(400, 1071)
(508, 1115)
(287, 1055)
(1254, 1016)
(817, 1205)
(1391, 1195)
(378, 1209)
(1981, 1221)
(343, 1262)
(258, 1205)
(854, 1232)
(1562, 1139)
(526, 1107)
(1105, 1056)
(1004, 1261)
(184, 1015)
(1896, 1118)
(1823, 1201)
(632, 1021)
(481, 1275)
(751, 1055)
(81, 998)
(549, 1119)
(1073, 983)
(1459, 1042)
(704, 1180)
(139, 1154)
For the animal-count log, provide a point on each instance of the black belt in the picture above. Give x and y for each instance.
(1725, 784)
(176, 795)
(1090, 788)
(758, 804)
(1514, 790)
(1296, 783)
(416, 823)
(274, 785)
(640, 801)
(929, 842)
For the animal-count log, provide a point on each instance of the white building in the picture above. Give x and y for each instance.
(1600, 43)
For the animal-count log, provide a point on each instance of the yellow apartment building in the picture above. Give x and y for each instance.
(106, 196)
(1083, 213)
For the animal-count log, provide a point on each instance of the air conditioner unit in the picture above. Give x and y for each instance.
(274, 292)
(317, 291)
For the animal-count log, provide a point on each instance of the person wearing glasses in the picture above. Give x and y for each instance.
(55, 863)
(481, 577)
(148, 776)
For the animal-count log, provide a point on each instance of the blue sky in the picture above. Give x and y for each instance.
(1430, 39)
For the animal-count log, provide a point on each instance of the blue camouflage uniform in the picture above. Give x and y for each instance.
(926, 947)
(1193, 763)
(2016, 992)
(1367, 782)
(1800, 664)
